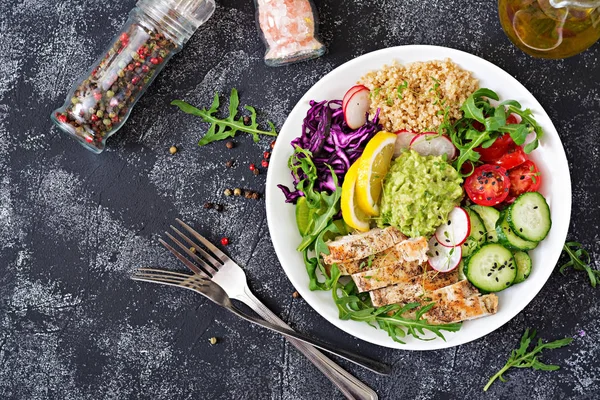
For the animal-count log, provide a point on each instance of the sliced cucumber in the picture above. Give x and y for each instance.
(507, 237)
(523, 266)
(461, 271)
(529, 217)
(477, 235)
(489, 216)
(491, 268)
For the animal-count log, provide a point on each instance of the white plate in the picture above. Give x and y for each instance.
(550, 157)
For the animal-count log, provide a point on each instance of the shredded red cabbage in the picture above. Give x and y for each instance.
(332, 143)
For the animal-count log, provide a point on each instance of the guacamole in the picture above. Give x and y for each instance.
(419, 193)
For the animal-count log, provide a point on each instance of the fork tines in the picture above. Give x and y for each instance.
(203, 258)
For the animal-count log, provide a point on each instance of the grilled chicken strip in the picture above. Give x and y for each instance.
(407, 250)
(459, 302)
(389, 275)
(414, 287)
(362, 245)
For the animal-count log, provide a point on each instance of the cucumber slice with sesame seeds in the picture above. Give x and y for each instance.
(529, 217)
(476, 236)
(491, 268)
(507, 237)
(489, 217)
(523, 266)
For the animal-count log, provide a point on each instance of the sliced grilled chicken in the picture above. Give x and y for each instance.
(459, 302)
(359, 246)
(389, 275)
(407, 250)
(414, 287)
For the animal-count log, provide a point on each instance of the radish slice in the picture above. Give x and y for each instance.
(403, 139)
(456, 230)
(441, 258)
(429, 144)
(350, 92)
(357, 108)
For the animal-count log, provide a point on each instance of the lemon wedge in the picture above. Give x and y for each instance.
(373, 166)
(352, 214)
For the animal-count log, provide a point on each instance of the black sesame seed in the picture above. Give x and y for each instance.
(490, 237)
(520, 229)
(522, 177)
(447, 240)
(489, 198)
(435, 244)
(486, 181)
(481, 232)
(507, 283)
(437, 253)
(493, 183)
(480, 187)
(490, 274)
(535, 208)
(496, 279)
(449, 222)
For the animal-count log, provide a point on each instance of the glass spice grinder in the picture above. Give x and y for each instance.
(100, 102)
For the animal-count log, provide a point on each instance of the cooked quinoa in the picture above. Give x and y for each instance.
(408, 97)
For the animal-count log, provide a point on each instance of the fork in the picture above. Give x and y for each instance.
(226, 273)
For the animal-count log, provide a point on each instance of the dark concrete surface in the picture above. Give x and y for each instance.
(73, 225)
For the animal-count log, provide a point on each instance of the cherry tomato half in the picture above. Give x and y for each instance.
(524, 178)
(513, 157)
(500, 147)
(488, 185)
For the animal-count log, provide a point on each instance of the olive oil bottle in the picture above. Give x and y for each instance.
(551, 28)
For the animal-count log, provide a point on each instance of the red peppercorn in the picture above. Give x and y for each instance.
(266, 155)
(224, 241)
(115, 120)
(124, 37)
(138, 64)
(273, 144)
(89, 138)
(95, 117)
(61, 118)
(135, 80)
(252, 167)
(97, 96)
(154, 61)
(145, 68)
(264, 163)
(142, 50)
(130, 67)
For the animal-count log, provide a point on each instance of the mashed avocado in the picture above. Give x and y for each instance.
(419, 193)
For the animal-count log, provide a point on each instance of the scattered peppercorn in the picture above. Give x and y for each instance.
(173, 150)
(208, 205)
(237, 192)
(273, 144)
(224, 241)
(266, 155)
(252, 167)
(213, 340)
(227, 192)
(229, 164)
(219, 207)
(229, 145)
(248, 194)
(295, 294)
(247, 120)
(256, 171)
(255, 196)
(264, 163)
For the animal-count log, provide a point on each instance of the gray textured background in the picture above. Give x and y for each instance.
(73, 224)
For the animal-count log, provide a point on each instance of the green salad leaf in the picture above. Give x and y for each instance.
(522, 358)
(392, 318)
(477, 108)
(227, 127)
(579, 260)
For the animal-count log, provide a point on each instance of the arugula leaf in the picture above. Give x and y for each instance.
(225, 128)
(579, 260)
(521, 358)
(392, 318)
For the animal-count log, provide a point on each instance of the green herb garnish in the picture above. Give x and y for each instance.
(520, 358)
(580, 260)
(392, 318)
(401, 88)
(225, 128)
(477, 108)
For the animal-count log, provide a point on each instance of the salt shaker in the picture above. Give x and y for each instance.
(288, 28)
(100, 102)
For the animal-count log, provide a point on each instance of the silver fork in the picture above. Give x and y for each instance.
(226, 273)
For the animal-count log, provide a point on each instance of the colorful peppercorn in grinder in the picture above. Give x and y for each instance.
(99, 104)
(288, 28)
